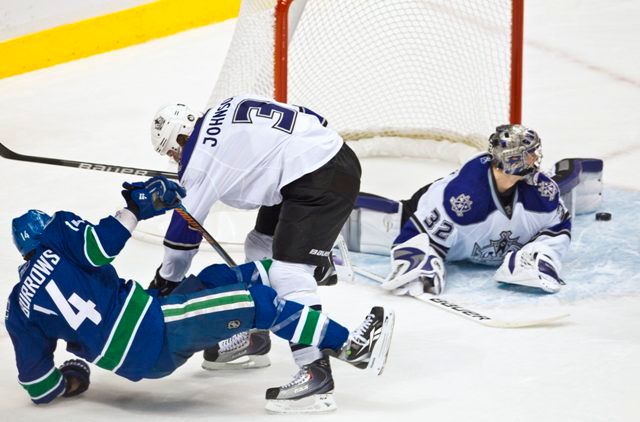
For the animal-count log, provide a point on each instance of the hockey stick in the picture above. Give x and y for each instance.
(479, 318)
(11, 155)
(197, 226)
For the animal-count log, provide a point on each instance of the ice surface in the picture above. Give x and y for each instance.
(581, 90)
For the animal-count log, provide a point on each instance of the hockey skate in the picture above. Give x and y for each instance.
(310, 391)
(368, 345)
(241, 351)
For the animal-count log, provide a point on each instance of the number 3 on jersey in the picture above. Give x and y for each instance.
(286, 116)
(86, 308)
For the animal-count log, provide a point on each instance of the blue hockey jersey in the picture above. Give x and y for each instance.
(68, 290)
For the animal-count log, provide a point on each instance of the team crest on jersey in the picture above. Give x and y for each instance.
(548, 190)
(461, 204)
(485, 160)
(495, 251)
(233, 324)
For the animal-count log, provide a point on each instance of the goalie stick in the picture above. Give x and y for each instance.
(11, 155)
(474, 316)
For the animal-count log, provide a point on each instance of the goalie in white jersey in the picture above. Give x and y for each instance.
(251, 152)
(498, 209)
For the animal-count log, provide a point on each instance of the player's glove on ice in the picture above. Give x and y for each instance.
(531, 268)
(153, 197)
(416, 268)
(76, 374)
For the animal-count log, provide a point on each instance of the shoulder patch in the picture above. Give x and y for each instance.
(548, 189)
(467, 198)
(544, 196)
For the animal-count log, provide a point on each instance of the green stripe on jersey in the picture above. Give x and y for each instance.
(93, 249)
(263, 267)
(310, 326)
(207, 304)
(266, 264)
(125, 329)
(44, 385)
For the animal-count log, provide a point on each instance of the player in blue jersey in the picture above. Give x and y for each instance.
(498, 209)
(69, 290)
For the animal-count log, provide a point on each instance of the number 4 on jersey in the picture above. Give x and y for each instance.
(86, 308)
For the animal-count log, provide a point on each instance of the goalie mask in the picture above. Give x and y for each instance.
(170, 123)
(27, 229)
(515, 150)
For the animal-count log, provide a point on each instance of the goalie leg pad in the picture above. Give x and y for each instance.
(589, 190)
(580, 183)
(373, 224)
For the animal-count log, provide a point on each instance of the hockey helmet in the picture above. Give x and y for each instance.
(27, 229)
(515, 150)
(170, 122)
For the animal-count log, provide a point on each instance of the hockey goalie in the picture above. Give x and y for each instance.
(498, 209)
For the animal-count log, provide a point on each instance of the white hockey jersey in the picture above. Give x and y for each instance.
(465, 219)
(242, 152)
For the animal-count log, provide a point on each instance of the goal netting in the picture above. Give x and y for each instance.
(401, 78)
(439, 70)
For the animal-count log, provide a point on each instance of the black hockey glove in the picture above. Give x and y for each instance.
(76, 374)
(162, 285)
(152, 197)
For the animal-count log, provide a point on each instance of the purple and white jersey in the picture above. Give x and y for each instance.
(242, 152)
(465, 219)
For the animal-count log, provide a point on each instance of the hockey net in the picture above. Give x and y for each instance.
(396, 72)
(396, 78)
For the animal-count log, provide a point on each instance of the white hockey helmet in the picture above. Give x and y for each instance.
(515, 150)
(170, 122)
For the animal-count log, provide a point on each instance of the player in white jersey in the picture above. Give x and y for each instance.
(498, 209)
(251, 152)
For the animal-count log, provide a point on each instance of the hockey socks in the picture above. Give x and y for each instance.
(297, 323)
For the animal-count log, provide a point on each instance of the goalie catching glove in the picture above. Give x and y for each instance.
(416, 268)
(153, 197)
(528, 267)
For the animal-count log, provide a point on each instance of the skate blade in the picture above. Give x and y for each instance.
(243, 362)
(318, 403)
(380, 351)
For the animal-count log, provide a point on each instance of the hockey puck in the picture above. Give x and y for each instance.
(603, 216)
